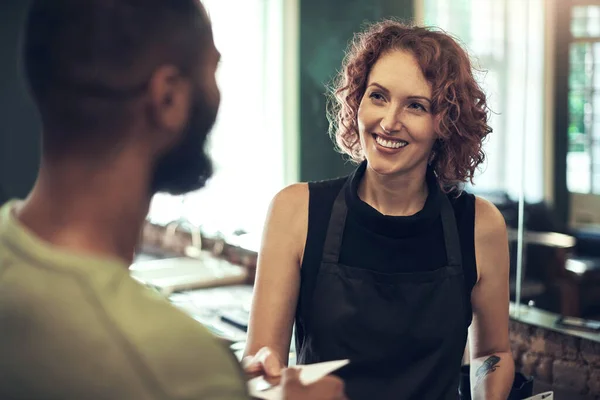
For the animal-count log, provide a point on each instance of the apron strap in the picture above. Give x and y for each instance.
(337, 223)
(331, 250)
(335, 229)
(451, 238)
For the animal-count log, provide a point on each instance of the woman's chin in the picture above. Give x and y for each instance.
(385, 166)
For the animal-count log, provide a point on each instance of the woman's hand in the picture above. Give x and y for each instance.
(264, 362)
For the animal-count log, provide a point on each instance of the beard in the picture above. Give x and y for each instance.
(187, 167)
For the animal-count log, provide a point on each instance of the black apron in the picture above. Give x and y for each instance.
(404, 333)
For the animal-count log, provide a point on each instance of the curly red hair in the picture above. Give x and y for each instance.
(458, 104)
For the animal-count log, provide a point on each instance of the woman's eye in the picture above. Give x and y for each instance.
(418, 106)
(376, 96)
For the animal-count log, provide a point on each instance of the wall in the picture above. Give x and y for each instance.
(568, 365)
(19, 127)
(325, 29)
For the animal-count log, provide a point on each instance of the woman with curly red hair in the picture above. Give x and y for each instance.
(392, 266)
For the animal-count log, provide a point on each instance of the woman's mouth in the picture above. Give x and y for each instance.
(390, 143)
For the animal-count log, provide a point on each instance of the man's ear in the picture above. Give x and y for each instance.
(170, 99)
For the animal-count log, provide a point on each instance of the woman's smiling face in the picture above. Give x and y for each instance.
(395, 121)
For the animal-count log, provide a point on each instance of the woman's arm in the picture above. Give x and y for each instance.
(278, 275)
(492, 365)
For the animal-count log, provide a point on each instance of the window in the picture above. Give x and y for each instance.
(505, 39)
(583, 156)
(247, 141)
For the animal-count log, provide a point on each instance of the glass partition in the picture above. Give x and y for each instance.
(505, 39)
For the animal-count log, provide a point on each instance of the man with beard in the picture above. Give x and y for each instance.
(126, 93)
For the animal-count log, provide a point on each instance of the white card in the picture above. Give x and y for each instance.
(542, 396)
(308, 374)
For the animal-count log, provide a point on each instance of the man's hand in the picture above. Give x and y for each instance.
(327, 388)
(266, 363)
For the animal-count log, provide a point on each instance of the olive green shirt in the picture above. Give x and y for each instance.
(78, 327)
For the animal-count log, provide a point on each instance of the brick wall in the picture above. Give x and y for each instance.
(564, 363)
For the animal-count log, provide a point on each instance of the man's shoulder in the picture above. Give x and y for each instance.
(133, 338)
(174, 349)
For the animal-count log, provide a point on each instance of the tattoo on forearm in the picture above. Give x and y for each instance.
(488, 366)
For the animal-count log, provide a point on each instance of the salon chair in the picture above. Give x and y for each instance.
(584, 267)
(546, 282)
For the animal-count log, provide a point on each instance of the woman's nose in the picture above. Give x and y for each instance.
(391, 122)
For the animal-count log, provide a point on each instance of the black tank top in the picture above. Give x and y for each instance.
(375, 241)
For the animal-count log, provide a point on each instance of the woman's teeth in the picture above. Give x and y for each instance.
(390, 144)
